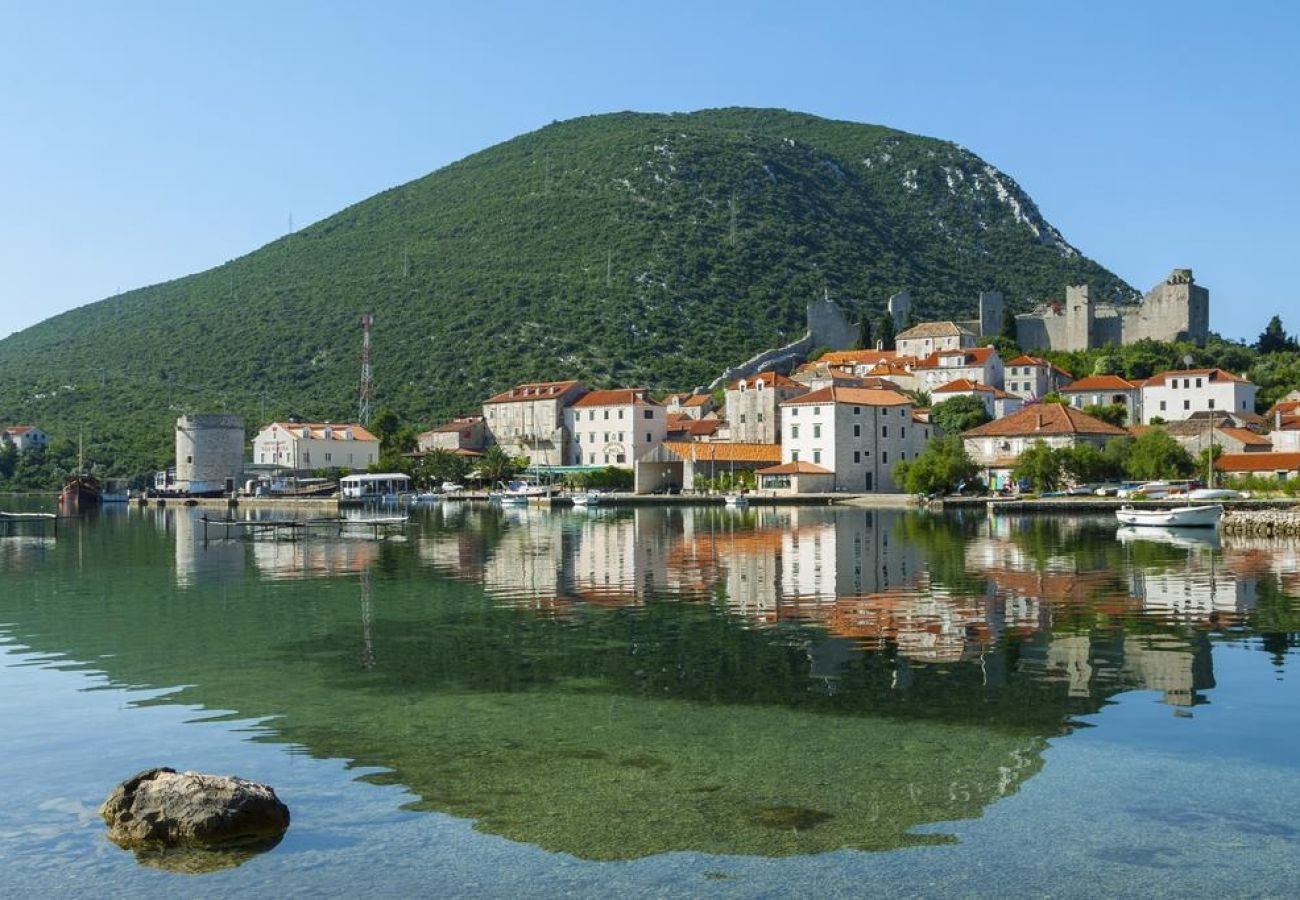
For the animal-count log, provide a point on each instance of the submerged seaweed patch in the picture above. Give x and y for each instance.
(789, 818)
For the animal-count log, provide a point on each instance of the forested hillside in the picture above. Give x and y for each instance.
(621, 249)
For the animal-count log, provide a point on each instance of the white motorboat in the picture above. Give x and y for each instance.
(1216, 494)
(1207, 516)
(736, 500)
(591, 498)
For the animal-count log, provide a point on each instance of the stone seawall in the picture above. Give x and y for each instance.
(1262, 522)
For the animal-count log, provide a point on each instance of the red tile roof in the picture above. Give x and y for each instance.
(1027, 360)
(771, 379)
(963, 385)
(972, 356)
(1101, 383)
(1249, 438)
(857, 357)
(1045, 419)
(795, 468)
(338, 431)
(538, 390)
(616, 397)
(1258, 462)
(853, 395)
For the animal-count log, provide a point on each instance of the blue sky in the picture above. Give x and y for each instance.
(142, 141)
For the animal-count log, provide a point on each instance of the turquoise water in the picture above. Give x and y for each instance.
(665, 702)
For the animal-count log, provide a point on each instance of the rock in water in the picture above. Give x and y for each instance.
(161, 808)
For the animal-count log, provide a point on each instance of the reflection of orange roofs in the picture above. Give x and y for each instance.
(1050, 587)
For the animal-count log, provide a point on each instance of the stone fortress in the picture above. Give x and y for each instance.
(1177, 309)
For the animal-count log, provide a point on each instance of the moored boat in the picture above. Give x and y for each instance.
(736, 500)
(1206, 516)
(80, 490)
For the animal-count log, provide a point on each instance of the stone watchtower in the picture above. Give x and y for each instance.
(1079, 316)
(991, 309)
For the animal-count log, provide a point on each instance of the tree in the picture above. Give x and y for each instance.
(442, 465)
(1117, 453)
(1009, 330)
(1105, 365)
(496, 465)
(1114, 413)
(1040, 465)
(959, 414)
(1275, 339)
(885, 331)
(384, 424)
(1084, 463)
(943, 467)
(1155, 455)
(864, 333)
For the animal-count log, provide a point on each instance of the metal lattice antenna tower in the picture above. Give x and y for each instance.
(367, 375)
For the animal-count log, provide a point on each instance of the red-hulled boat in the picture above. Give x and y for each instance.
(80, 491)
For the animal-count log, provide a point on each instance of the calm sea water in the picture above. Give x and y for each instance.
(664, 701)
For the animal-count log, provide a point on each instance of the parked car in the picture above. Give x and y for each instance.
(1081, 490)
(1107, 490)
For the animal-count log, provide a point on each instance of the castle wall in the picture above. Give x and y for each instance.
(900, 308)
(991, 306)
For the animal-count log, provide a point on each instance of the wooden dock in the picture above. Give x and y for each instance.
(297, 529)
(23, 522)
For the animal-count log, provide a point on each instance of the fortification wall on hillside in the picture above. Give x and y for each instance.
(827, 327)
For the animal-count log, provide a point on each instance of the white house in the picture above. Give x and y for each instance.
(981, 364)
(998, 404)
(305, 446)
(1173, 396)
(1106, 390)
(615, 427)
(529, 421)
(930, 337)
(24, 437)
(996, 446)
(1033, 378)
(844, 439)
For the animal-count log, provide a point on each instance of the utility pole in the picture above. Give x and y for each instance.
(367, 376)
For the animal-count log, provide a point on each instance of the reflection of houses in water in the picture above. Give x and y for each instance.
(313, 557)
(1089, 664)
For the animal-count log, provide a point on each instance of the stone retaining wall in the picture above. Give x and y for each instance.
(1265, 522)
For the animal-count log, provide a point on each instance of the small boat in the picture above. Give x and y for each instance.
(735, 500)
(518, 493)
(1216, 494)
(591, 498)
(1177, 517)
(426, 497)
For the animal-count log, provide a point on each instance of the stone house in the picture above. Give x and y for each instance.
(682, 465)
(24, 437)
(845, 439)
(529, 421)
(1177, 395)
(1033, 378)
(615, 427)
(697, 406)
(463, 434)
(753, 407)
(1106, 390)
(998, 404)
(931, 337)
(1283, 466)
(996, 446)
(301, 447)
(980, 364)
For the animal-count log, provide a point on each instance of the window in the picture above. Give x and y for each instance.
(857, 410)
(817, 456)
(591, 414)
(759, 385)
(857, 431)
(620, 458)
(884, 431)
(1187, 404)
(606, 414)
(1162, 406)
(857, 456)
(902, 433)
(760, 417)
(794, 456)
(742, 418)
(327, 457)
(817, 431)
(884, 457)
(794, 431)
(620, 413)
(794, 411)
(1198, 382)
(648, 438)
(817, 410)
(189, 459)
(577, 438)
(591, 458)
(1211, 403)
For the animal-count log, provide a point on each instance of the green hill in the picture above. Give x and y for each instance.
(621, 249)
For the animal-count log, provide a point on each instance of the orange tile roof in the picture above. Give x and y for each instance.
(616, 397)
(795, 468)
(853, 395)
(696, 427)
(857, 357)
(698, 399)
(338, 430)
(1101, 383)
(772, 379)
(966, 384)
(1027, 360)
(972, 356)
(724, 451)
(1045, 418)
(1249, 438)
(1258, 462)
(537, 390)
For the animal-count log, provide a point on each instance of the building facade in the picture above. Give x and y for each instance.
(996, 446)
(302, 447)
(1106, 390)
(461, 434)
(615, 427)
(24, 438)
(1173, 396)
(979, 364)
(528, 421)
(753, 407)
(209, 453)
(931, 337)
(1032, 378)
